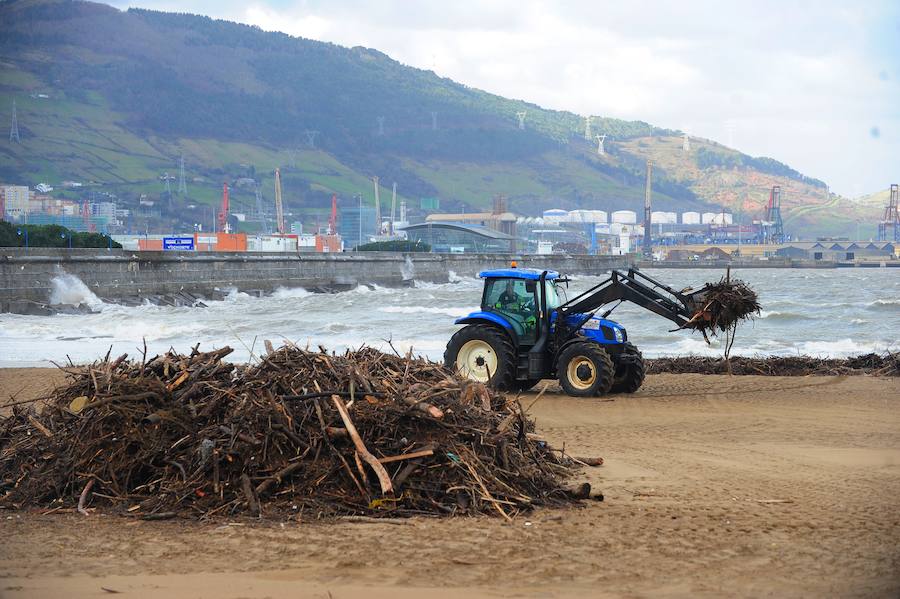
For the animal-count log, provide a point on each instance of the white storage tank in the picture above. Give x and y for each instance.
(663, 218)
(690, 218)
(722, 218)
(708, 218)
(554, 215)
(624, 216)
(586, 216)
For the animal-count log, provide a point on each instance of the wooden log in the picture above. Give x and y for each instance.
(424, 407)
(383, 478)
(37, 424)
(252, 503)
(589, 461)
(277, 477)
(407, 456)
(82, 499)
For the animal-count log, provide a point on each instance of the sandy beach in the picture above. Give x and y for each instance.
(714, 486)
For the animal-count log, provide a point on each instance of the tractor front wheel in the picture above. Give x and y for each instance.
(630, 370)
(585, 369)
(483, 353)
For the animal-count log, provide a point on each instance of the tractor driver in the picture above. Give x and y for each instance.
(521, 305)
(509, 299)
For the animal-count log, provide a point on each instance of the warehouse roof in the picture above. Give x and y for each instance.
(474, 229)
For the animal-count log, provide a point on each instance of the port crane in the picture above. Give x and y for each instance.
(774, 231)
(279, 206)
(889, 227)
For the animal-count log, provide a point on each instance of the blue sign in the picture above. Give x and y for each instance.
(182, 244)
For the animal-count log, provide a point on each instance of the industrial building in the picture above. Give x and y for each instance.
(461, 238)
(499, 219)
(356, 225)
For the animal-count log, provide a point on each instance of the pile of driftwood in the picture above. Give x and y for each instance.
(874, 364)
(364, 433)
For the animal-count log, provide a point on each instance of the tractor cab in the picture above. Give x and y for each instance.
(513, 295)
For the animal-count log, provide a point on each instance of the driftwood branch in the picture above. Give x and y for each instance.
(383, 478)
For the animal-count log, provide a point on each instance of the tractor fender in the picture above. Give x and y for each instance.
(581, 339)
(490, 319)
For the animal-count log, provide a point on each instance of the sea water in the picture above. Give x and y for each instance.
(825, 313)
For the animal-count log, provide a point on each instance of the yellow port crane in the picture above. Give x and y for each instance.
(279, 207)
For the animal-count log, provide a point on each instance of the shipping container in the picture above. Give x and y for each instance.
(328, 243)
(150, 245)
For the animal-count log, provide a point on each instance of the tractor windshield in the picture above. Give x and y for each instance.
(517, 301)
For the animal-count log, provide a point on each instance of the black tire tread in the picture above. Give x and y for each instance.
(630, 377)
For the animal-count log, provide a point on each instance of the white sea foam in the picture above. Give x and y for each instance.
(841, 348)
(291, 293)
(451, 311)
(880, 303)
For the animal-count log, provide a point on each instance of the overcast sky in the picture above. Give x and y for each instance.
(813, 84)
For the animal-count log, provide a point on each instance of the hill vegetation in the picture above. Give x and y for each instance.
(50, 236)
(129, 93)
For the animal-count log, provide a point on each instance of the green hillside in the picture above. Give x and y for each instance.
(130, 92)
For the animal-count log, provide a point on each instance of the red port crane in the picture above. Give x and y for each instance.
(223, 215)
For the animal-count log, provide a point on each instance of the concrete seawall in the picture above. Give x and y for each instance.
(27, 274)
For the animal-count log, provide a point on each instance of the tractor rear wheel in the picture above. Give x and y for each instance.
(585, 369)
(630, 370)
(483, 353)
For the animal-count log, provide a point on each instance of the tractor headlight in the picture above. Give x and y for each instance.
(592, 324)
(620, 336)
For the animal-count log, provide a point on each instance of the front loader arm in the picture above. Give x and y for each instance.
(676, 306)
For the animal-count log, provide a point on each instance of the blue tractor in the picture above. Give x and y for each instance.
(525, 333)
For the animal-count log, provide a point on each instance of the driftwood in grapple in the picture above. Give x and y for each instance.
(364, 433)
(723, 306)
(886, 365)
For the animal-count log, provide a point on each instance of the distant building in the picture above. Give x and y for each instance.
(104, 210)
(43, 188)
(16, 199)
(356, 225)
(296, 228)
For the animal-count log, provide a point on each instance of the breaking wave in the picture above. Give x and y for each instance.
(775, 315)
(890, 304)
(70, 290)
